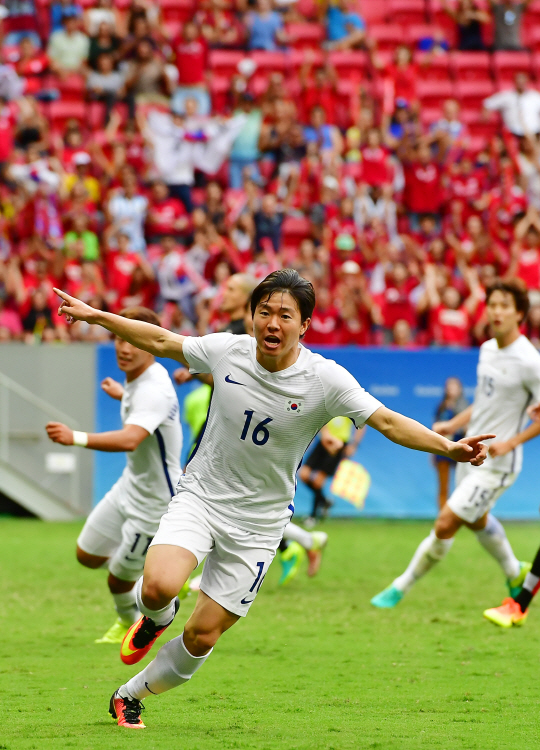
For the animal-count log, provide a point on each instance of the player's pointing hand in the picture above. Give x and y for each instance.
(74, 309)
(471, 450)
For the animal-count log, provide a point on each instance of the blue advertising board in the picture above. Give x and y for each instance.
(403, 482)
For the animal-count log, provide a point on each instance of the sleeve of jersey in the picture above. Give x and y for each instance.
(149, 409)
(533, 380)
(204, 352)
(345, 397)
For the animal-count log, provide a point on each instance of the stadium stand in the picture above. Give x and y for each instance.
(196, 139)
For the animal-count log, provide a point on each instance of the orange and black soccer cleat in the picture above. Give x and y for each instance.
(141, 637)
(508, 614)
(127, 711)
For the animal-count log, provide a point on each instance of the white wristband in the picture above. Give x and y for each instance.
(80, 438)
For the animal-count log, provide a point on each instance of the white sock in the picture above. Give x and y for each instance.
(430, 551)
(294, 533)
(172, 666)
(493, 539)
(126, 606)
(159, 616)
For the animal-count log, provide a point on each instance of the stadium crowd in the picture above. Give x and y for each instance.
(387, 150)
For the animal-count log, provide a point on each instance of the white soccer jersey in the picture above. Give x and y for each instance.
(153, 468)
(259, 426)
(508, 380)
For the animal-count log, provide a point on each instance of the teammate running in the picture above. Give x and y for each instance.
(119, 530)
(508, 376)
(271, 397)
(514, 610)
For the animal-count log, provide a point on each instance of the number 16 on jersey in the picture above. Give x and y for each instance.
(260, 434)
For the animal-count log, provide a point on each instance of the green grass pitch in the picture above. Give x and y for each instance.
(313, 666)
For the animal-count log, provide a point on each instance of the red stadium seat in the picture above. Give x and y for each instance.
(269, 62)
(95, 115)
(532, 17)
(471, 66)
(434, 93)
(349, 64)
(507, 64)
(372, 11)
(536, 64)
(177, 10)
(429, 115)
(219, 88)
(433, 68)
(305, 34)
(531, 37)
(471, 94)
(387, 36)
(478, 125)
(413, 34)
(406, 12)
(307, 9)
(225, 62)
(294, 230)
(72, 88)
(60, 112)
(312, 57)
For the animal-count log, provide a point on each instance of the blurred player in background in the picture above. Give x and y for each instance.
(508, 380)
(235, 498)
(320, 464)
(118, 531)
(452, 404)
(337, 442)
(514, 610)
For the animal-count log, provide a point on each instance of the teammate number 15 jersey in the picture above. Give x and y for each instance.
(260, 424)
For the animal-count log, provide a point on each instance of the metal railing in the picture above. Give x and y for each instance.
(24, 444)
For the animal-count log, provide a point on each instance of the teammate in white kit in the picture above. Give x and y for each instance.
(119, 530)
(508, 381)
(271, 397)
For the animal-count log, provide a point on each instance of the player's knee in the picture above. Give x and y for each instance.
(156, 594)
(444, 528)
(89, 561)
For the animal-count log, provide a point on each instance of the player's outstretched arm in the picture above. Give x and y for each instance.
(459, 422)
(150, 338)
(411, 434)
(506, 446)
(115, 441)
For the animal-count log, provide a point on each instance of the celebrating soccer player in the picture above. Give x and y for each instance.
(235, 498)
(119, 530)
(508, 377)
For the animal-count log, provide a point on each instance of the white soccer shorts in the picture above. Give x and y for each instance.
(477, 490)
(236, 560)
(111, 532)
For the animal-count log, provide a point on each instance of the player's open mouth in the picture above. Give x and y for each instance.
(272, 342)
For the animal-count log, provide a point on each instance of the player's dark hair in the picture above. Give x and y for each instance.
(286, 280)
(141, 313)
(516, 288)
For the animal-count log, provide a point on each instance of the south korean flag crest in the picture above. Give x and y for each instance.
(295, 407)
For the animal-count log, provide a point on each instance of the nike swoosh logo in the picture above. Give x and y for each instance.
(234, 382)
(132, 559)
(151, 691)
(246, 601)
